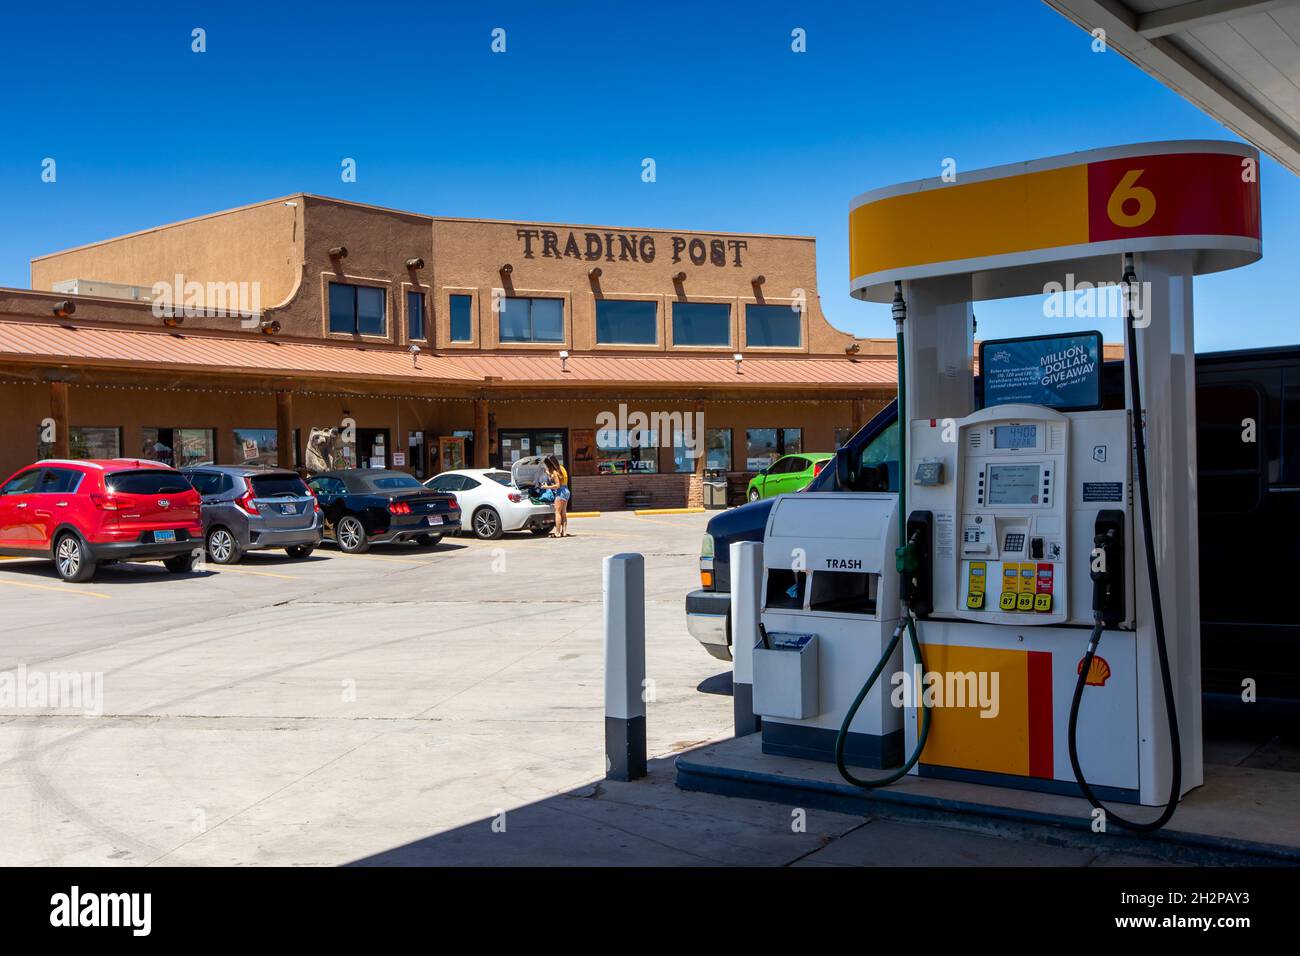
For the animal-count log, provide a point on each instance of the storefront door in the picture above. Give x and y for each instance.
(373, 448)
(516, 443)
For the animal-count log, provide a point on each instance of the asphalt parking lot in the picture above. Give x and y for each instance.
(326, 710)
(408, 706)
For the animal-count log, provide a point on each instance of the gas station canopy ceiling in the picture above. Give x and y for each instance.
(1238, 60)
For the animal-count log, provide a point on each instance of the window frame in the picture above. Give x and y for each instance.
(656, 323)
(531, 298)
(351, 282)
(419, 295)
(799, 345)
(732, 313)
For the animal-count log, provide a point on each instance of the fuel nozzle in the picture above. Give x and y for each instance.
(1107, 567)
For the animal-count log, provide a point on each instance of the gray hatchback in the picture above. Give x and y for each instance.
(252, 508)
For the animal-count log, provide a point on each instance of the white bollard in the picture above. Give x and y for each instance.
(746, 606)
(624, 591)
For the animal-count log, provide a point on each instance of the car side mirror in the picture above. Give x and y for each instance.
(848, 466)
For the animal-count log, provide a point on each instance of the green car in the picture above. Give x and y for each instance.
(787, 473)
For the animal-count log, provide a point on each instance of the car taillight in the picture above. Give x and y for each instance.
(111, 502)
(452, 503)
(817, 468)
(516, 498)
(245, 501)
(399, 508)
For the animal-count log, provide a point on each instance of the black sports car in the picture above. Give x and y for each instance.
(365, 506)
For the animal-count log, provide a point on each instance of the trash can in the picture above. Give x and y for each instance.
(715, 490)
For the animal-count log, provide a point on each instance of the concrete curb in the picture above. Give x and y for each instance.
(1173, 845)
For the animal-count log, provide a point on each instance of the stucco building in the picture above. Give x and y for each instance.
(306, 329)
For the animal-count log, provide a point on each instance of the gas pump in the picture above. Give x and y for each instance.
(1038, 537)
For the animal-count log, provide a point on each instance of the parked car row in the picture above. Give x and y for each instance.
(84, 514)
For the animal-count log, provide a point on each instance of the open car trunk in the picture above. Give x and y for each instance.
(527, 473)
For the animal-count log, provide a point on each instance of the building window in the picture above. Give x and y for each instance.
(87, 441)
(718, 456)
(765, 445)
(843, 434)
(179, 447)
(627, 451)
(702, 323)
(462, 328)
(415, 316)
(259, 446)
(626, 322)
(773, 326)
(357, 309)
(532, 320)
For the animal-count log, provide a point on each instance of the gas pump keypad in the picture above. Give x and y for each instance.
(1014, 543)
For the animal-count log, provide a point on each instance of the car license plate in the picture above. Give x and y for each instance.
(162, 537)
(288, 509)
(434, 519)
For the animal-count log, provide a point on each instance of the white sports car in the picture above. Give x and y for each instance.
(493, 501)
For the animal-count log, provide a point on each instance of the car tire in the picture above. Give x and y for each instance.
(487, 524)
(428, 540)
(71, 561)
(300, 550)
(753, 494)
(182, 563)
(222, 546)
(351, 535)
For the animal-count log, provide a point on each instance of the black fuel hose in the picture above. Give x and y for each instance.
(1157, 612)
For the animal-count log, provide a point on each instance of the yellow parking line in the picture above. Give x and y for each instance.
(55, 587)
(262, 574)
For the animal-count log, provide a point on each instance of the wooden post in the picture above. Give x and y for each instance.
(481, 437)
(859, 414)
(62, 444)
(284, 428)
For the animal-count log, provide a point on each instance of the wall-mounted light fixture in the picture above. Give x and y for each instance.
(738, 359)
(506, 269)
(173, 321)
(415, 263)
(758, 280)
(594, 273)
(564, 360)
(64, 308)
(415, 355)
(270, 327)
(853, 349)
(679, 277)
(338, 252)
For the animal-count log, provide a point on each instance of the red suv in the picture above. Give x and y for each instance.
(85, 513)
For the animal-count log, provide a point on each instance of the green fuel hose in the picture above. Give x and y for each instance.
(908, 619)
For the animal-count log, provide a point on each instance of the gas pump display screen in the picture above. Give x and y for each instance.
(1014, 484)
(1059, 371)
(1015, 436)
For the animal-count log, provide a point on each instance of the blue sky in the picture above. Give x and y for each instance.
(747, 136)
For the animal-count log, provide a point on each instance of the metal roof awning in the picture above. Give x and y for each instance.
(85, 345)
(1238, 60)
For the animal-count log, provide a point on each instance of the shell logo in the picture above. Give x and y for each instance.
(1098, 672)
